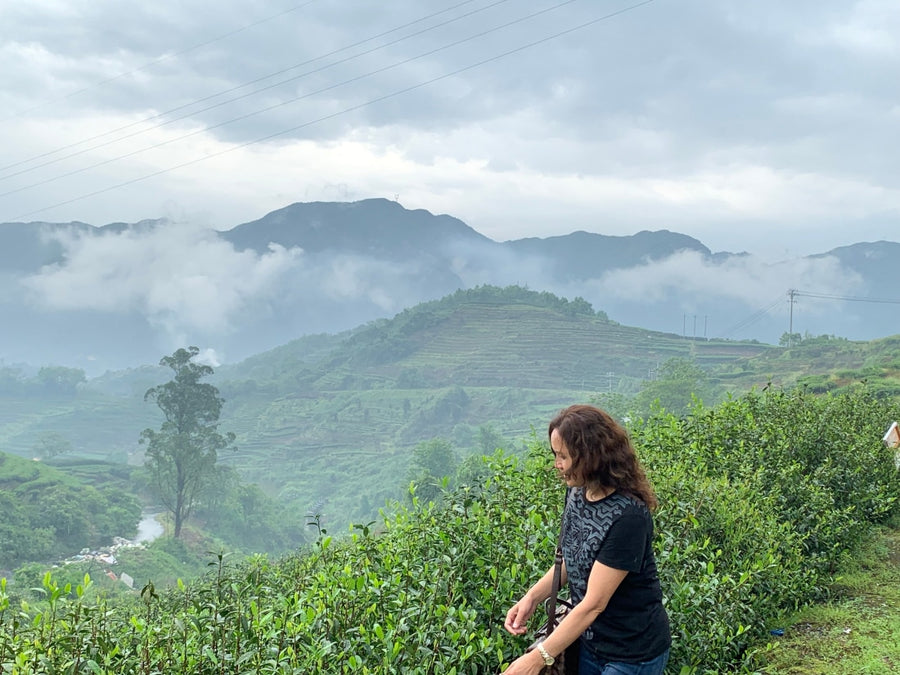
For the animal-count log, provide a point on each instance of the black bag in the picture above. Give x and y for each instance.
(567, 662)
(563, 607)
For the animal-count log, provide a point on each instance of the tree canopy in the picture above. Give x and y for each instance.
(50, 514)
(678, 381)
(182, 455)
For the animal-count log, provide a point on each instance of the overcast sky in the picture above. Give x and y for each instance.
(765, 126)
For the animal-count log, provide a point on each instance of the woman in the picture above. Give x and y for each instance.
(608, 561)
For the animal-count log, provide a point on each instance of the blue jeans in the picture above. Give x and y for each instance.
(588, 664)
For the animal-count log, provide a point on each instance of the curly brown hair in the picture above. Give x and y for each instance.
(601, 451)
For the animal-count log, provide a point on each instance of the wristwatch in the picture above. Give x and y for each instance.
(548, 660)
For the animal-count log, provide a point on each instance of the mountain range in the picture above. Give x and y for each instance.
(124, 294)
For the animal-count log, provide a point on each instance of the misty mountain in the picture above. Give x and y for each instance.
(376, 227)
(581, 255)
(122, 295)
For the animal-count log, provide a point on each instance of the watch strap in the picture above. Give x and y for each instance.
(548, 660)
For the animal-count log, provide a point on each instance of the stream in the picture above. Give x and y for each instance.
(149, 528)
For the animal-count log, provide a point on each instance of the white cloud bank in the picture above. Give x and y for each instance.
(181, 278)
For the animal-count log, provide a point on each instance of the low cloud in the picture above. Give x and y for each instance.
(192, 287)
(745, 279)
(182, 278)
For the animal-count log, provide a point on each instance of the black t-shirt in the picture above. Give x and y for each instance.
(617, 531)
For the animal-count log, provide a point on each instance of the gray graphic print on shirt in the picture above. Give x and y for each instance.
(585, 526)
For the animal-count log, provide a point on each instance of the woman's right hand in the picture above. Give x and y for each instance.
(518, 615)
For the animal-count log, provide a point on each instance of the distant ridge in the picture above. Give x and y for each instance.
(581, 255)
(355, 262)
(372, 227)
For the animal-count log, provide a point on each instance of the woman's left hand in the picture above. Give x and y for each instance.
(527, 664)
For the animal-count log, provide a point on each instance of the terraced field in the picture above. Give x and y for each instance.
(349, 428)
(536, 347)
(329, 423)
(96, 426)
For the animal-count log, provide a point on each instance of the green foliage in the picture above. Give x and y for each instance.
(489, 439)
(678, 383)
(432, 462)
(49, 514)
(789, 339)
(486, 294)
(759, 496)
(794, 339)
(11, 380)
(182, 455)
(435, 457)
(616, 404)
(165, 560)
(819, 384)
(53, 381)
(245, 518)
(50, 444)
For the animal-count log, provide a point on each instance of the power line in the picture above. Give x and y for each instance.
(792, 293)
(242, 86)
(846, 298)
(162, 58)
(355, 107)
(753, 318)
(273, 106)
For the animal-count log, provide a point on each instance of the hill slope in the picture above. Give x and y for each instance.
(328, 423)
(341, 432)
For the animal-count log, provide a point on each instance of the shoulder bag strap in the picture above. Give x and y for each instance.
(557, 575)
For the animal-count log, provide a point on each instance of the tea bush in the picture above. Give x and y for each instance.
(759, 496)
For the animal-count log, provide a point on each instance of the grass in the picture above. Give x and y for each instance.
(858, 629)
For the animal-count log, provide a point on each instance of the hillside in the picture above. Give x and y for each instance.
(822, 363)
(488, 336)
(327, 423)
(48, 512)
(502, 360)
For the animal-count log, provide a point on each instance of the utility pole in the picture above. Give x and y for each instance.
(791, 293)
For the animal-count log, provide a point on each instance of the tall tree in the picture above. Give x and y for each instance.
(182, 455)
(678, 381)
(50, 444)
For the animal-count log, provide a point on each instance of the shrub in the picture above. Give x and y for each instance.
(758, 497)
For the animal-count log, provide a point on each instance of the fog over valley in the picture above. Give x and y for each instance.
(121, 295)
